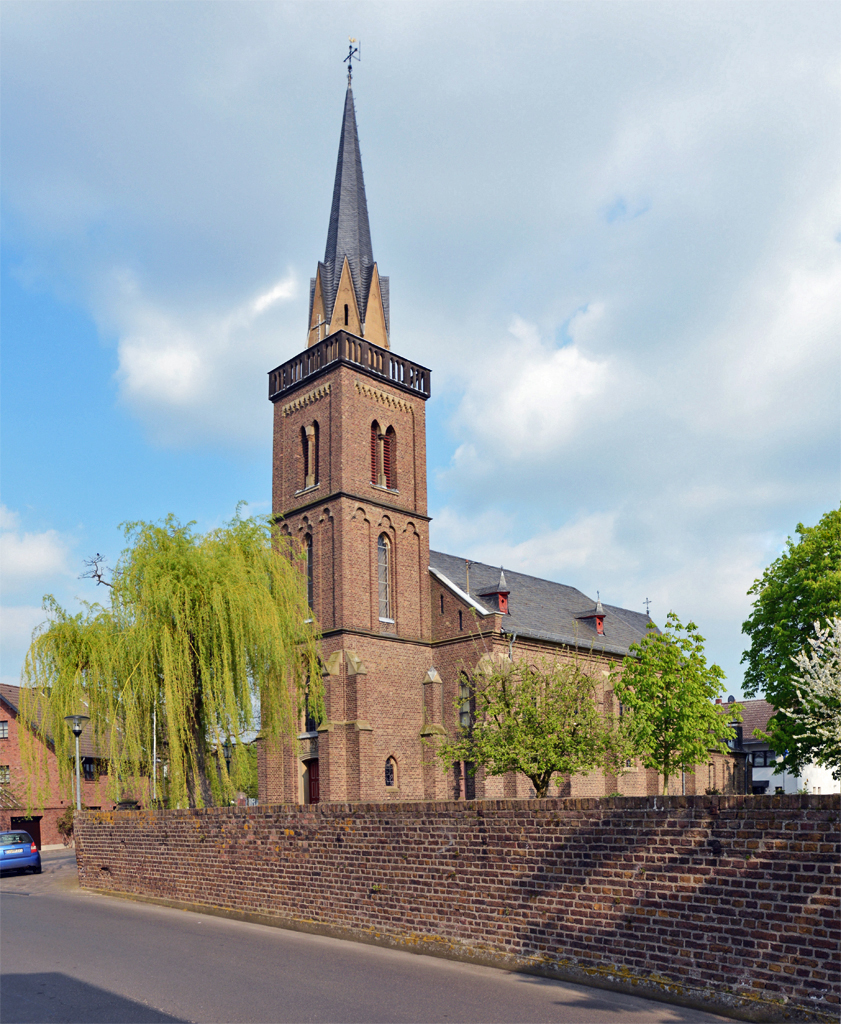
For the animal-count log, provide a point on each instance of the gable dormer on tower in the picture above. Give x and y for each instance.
(347, 293)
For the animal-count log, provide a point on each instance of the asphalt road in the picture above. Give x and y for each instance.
(71, 956)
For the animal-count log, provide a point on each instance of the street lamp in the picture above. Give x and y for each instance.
(77, 723)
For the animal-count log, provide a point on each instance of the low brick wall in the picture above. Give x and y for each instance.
(727, 902)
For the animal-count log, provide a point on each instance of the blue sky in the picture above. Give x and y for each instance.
(612, 231)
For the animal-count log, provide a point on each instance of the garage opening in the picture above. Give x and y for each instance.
(30, 825)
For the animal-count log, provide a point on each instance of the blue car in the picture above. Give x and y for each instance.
(18, 853)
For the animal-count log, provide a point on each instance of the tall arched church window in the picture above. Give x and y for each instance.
(390, 459)
(310, 568)
(309, 440)
(391, 772)
(467, 703)
(384, 577)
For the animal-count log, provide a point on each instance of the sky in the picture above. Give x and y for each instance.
(612, 232)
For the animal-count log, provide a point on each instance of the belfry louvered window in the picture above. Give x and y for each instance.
(384, 577)
(383, 457)
(390, 459)
(309, 447)
(305, 455)
(375, 452)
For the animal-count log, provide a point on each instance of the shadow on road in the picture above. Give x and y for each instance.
(42, 998)
(606, 1002)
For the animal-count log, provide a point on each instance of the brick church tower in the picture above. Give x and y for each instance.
(349, 482)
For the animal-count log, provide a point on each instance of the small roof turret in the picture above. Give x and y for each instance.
(500, 592)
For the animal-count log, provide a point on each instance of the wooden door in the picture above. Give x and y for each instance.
(312, 776)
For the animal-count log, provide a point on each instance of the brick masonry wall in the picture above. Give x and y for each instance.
(729, 902)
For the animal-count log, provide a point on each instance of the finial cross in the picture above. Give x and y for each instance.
(352, 54)
(647, 604)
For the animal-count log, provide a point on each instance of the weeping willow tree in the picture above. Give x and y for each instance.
(199, 629)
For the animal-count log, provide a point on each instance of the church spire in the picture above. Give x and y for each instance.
(347, 292)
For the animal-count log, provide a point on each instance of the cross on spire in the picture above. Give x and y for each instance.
(647, 604)
(352, 54)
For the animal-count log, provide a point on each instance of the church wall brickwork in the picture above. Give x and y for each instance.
(720, 901)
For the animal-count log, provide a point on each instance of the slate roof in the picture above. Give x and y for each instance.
(349, 234)
(543, 610)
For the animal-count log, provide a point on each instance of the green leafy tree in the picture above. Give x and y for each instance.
(538, 719)
(798, 589)
(669, 691)
(199, 629)
(818, 686)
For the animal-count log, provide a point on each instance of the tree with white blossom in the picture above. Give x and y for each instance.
(818, 685)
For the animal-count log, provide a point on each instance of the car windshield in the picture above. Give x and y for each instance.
(13, 838)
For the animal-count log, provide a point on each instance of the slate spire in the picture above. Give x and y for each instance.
(349, 239)
(349, 233)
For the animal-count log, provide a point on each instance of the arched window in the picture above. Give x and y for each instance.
(309, 441)
(347, 315)
(390, 459)
(391, 772)
(383, 457)
(467, 703)
(384, 577)
(308, 545)
(376, 455)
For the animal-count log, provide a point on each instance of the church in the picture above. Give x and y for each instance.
(403, 628)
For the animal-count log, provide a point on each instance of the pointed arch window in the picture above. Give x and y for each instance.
(375, 452)
(384, 578)
(309, 446)
(310, 572)
(467, 703)
(383, 457)
(391, 772)
(390, 459)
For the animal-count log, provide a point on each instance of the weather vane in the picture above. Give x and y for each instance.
(352, 54)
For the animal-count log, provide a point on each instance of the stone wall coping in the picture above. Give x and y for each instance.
(707, 803)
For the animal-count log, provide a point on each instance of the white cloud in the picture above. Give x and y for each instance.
(17, 624)
(195, 377)
(29, 557)
(526, 397)
(8, 519)
(587, 541)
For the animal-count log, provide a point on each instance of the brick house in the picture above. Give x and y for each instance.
(403, 628)
(42, 825)
(762, 761)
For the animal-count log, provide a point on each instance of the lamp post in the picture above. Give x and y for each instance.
(77, 723)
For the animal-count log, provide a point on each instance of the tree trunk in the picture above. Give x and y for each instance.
(199, 792)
